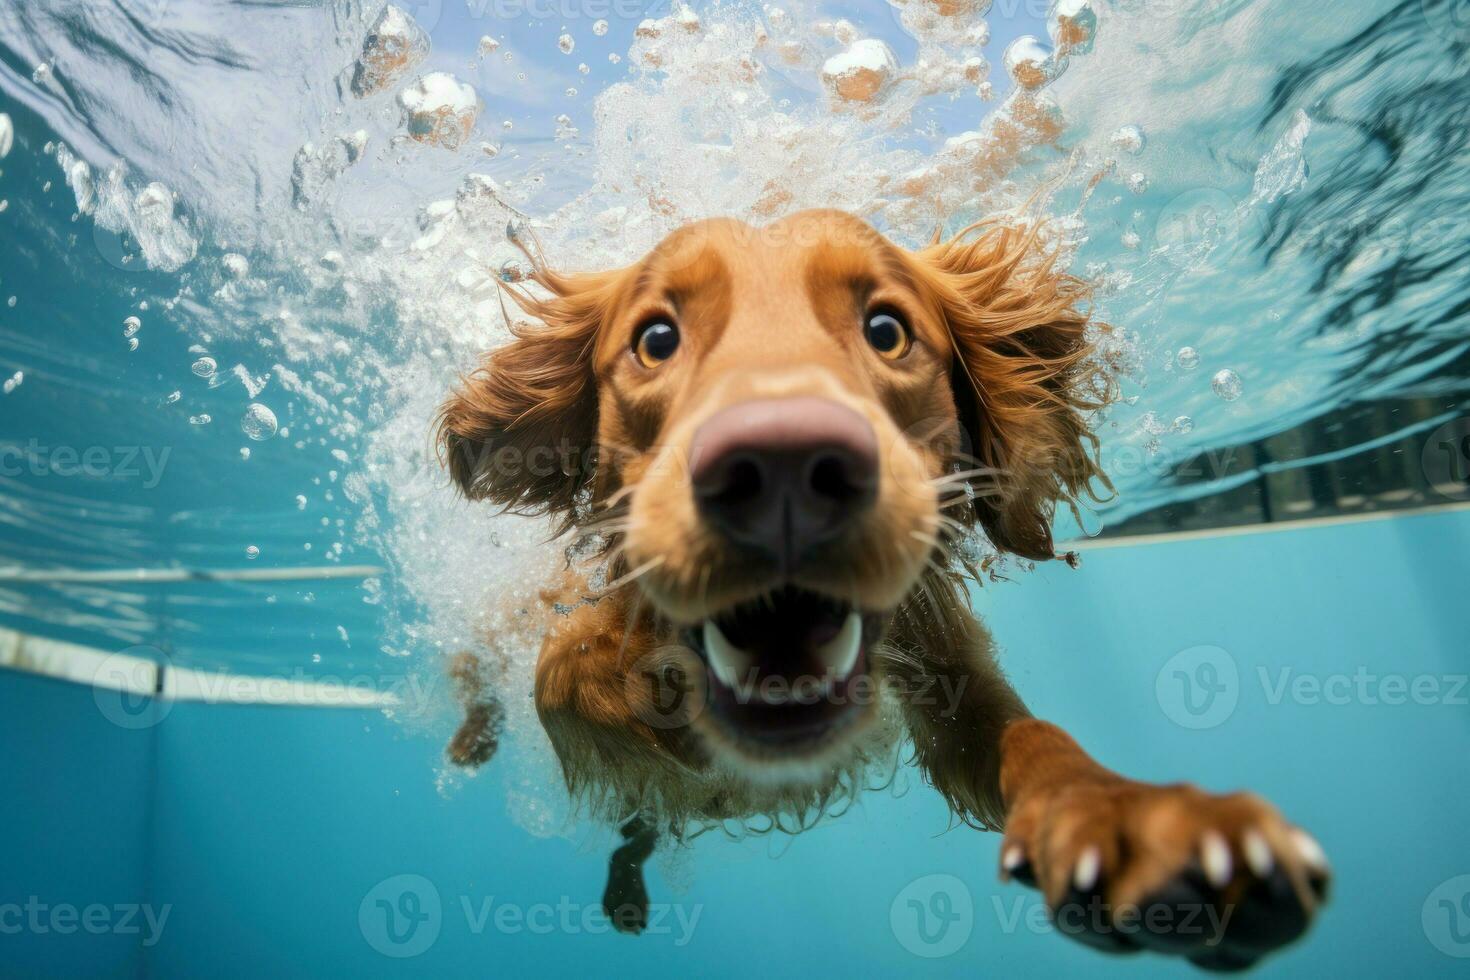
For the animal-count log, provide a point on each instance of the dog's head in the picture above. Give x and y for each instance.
(781, 429)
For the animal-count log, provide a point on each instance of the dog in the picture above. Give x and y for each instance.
(782, 439)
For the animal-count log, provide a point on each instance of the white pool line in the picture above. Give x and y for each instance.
(1240, 530)
(141, 677)
(148, 575)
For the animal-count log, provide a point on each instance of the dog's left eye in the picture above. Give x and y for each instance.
(655, 343)
(887, 334)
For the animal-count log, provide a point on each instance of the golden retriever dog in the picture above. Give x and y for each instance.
(781, 439)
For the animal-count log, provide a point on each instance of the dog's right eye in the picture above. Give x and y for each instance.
(655, 342)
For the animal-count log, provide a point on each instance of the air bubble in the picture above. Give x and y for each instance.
(1226, 384)
(252, 552)
(599, 28)
(1072, 26)
(258, 422)
(204, 367)
(236, 266)
(1187, 358)
(203, 418)
(1029, 62)
(862, 73)
(1128, 139)
(1184, 425)
(566, 43)
(131, 326)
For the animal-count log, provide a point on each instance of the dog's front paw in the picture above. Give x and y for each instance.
(1126, 866)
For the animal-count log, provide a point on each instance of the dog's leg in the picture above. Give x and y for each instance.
(478, 736)
(1124, 865)
(625, 900)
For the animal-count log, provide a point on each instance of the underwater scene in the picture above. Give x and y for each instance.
(916, 487)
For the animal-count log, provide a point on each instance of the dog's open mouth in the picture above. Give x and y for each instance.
(787, 671)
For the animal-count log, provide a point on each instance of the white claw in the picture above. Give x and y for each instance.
(1215, 856)
(1310, 850)
(1089, 866)
(1257, 853)
(1012, 858)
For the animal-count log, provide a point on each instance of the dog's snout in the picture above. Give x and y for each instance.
(782, 475)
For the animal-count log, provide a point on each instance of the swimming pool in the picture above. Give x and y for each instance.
(232, 293)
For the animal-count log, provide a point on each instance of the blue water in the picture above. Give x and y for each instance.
(265, 829)
(1301, 222)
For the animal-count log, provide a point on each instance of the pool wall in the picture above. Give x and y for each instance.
(271, 835)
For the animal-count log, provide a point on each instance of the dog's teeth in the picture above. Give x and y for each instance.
(839, 654)
(728, 661)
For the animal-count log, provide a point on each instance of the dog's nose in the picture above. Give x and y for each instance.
(784, 474)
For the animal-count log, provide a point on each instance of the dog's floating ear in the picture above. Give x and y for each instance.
(1024, 379)
(520, 429)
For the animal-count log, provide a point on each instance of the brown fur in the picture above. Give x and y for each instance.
(984, 421)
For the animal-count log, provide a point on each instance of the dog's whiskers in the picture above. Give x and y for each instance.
(632, 576)
(964, 475)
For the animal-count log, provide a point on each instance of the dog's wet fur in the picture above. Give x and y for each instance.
(783, 436)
